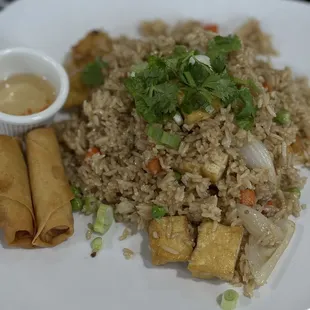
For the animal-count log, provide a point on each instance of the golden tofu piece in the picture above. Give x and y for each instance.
(170, 240)
(214, 169)
(195, 117)
(216, 252)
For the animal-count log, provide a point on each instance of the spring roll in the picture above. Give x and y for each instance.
(51, 193)
(16, 211)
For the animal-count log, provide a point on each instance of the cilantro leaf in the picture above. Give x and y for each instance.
(218, 49)
(246, 112)
(160, 105)
(223, 45)
(193, 100)
(92, 74)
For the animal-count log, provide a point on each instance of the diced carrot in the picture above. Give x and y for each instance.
(269, 203)
(247, 197)
(211, 27)
(92, 151)
(267, 86)
(153, 166)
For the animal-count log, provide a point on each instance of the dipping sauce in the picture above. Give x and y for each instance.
(25, 94)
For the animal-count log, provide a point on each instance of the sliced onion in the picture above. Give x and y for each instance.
(263, 260)
(259, 226)
(201, 58)
(256, 155)
(178, 119)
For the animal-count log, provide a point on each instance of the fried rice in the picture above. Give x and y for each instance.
(118, 174)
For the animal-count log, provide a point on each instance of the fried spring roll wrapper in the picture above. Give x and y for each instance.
(16, 212)
(51, 193)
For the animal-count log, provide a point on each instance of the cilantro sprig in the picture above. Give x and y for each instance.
(180, 82)
(92, 74)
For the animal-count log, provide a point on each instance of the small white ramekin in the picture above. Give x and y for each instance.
(24, 60)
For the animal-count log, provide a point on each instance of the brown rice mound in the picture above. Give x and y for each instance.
(118, 175)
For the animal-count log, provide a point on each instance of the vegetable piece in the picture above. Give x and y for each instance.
(96, 246)
(104, 219)
(204, 59)
(178, 119)
(76, 204)
(269, 203)
(216, 251)
(262, 260)
(170, 240)
(296, 191)
(90, 205)
(211, 27)
(92, 74)
(247, 197)
(158, 212)
(92, 151)
(153, 166)
(256, 155)
(178, 175)
(229, 300)
(155, 133)
(76, 191)
(267, 86)
(258, 225)
(283, 117)
(196, 117)
(171, 140)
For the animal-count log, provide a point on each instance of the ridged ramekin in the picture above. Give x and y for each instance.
(24, 60)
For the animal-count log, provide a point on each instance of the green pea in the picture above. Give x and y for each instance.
(283, 117)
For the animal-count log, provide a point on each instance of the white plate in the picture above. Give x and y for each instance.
(66, 277)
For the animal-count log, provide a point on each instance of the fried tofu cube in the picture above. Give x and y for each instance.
(170, 240)
(216, 252)
(214, 169)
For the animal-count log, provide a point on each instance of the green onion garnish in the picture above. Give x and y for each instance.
(158, 212)
(283, 117)
(96, 246)
(229, 300)
(90, 205)
(155, 133)
(296, 191)
(104, 219)
(76, 191)
(170, 140)
(76, 204)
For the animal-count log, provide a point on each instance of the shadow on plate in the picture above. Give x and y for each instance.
(180, 268)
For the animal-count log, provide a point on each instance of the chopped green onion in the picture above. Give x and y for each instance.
(76, 204)
(90, 205)
(76, 191)
(96, 246)
(229, 300)
(296, 191)
(178, 175)
(90, 226)
(158, 212)
(178, 119)
(170, 140)
(283, 117)
(104, 219)
(155, 133)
